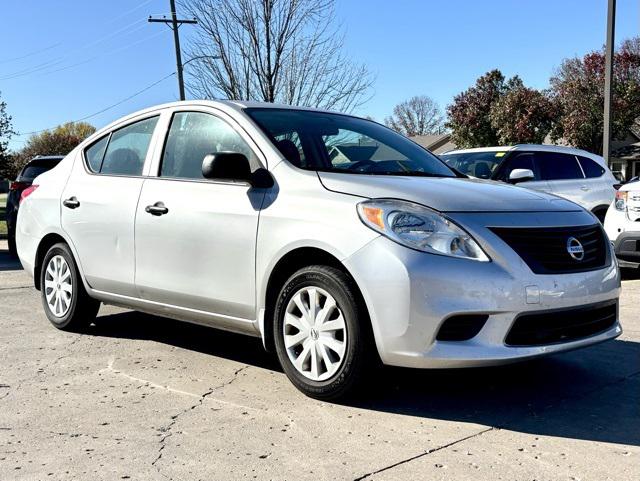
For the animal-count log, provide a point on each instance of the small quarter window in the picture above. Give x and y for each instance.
(95, 154)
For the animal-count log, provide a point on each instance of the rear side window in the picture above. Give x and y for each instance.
(123, 151)
(191, 137)
(591, 169)
(555, 166)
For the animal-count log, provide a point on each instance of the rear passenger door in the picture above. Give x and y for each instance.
(599, 183)
(99, 204)
(564, 175)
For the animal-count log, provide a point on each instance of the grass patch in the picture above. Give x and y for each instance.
(3, 207)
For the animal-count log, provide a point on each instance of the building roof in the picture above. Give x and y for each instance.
(436, 143)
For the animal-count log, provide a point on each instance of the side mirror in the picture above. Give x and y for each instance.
(520, 175)
(234, 166)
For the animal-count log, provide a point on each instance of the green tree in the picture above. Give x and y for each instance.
(59, 141)
(6, 131)
(578, 89)
(522, 115)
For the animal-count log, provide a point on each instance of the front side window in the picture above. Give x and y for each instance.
(591, 169)
(191, 137)
(339, 143)
(476, 164)
(555, 166)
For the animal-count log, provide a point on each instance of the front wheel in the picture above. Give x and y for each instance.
(64, 298)
(321, 333)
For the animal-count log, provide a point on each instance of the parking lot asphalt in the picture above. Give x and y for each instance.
(143, 398)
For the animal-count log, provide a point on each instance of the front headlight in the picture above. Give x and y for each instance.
(418, 227)
(621, 200)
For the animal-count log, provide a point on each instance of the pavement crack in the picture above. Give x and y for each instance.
(168, 429)
(426, 453)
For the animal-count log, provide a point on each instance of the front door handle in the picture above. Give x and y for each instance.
(156, 209)
(71, 202)
(584, 187)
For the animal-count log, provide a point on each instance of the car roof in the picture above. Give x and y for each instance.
(531, 147)
(227, 106)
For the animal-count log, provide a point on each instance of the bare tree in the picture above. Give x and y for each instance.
(286, 51)
(419, 115)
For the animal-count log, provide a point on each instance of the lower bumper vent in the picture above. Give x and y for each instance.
(562, 325)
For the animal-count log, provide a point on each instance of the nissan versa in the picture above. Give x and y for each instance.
(334, 239)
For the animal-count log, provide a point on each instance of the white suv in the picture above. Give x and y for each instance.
(574, 174)
(623, 224)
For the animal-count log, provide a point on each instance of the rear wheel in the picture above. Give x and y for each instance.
(11, 241)
(600, 214)
(321, 333)
(64, 298)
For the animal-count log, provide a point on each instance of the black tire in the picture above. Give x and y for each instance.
(82, 309)
(357, 360)
(600, 214)
(11, 241)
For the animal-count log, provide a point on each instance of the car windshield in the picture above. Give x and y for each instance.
(341, 143)
(476, 164)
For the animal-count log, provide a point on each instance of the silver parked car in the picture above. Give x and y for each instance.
(242, 216)
(574, 174)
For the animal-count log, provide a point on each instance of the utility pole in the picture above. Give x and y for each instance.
(608, 79)
(175, 25)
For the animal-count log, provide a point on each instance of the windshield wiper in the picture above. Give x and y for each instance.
(408, 174)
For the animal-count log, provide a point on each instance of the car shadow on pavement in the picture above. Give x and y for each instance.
(7, 261)
(590, 394)
(630, 274)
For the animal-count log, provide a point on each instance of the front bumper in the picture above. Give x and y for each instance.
(409, 294)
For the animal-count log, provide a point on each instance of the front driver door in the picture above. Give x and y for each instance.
(523, 160)
(199, 254)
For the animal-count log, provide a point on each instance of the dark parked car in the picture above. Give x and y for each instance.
(33, 169)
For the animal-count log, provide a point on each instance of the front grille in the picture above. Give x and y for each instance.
(563, 325)
(545, 249)
(462, 327)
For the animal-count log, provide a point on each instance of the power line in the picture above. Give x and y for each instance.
(106, 108)
(43, 68)
(31, 54)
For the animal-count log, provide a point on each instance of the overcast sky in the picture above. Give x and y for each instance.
(69, 59)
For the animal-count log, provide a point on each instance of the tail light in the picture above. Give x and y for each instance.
(621, 200)
(27, 192)
(15, 185)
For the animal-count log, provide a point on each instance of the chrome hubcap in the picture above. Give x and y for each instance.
(315, 334)
(57, 286)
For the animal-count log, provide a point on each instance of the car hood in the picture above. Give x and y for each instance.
(447, 194)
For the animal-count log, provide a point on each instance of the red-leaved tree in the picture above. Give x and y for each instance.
(578, 90)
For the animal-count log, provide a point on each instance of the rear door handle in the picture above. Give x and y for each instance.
(584, 187)
(71, 202)
(156, 209)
